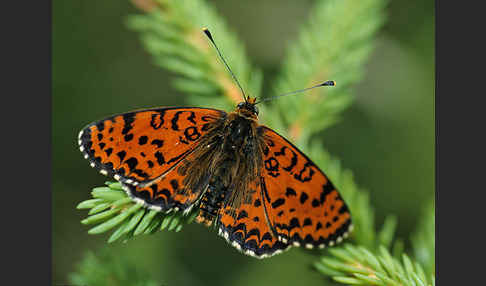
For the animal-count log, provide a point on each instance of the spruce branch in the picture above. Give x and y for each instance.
(423, 239)
(171, 31)
(112, 208)
(332, 45)
(106, 269)
(357, 265)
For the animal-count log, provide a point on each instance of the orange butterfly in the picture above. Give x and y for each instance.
(257, 188)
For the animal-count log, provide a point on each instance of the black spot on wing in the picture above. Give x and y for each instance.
(293, 162)
(303, 197)
(121, 155)
(142, 140)
(132, 163)
(142, 174)
(267, 236)
(192, 117)
(174, 120)
(255, 232)
(129, 118)
(281, 152)
(160, 158)
(278, 202)
(290, 192)
(306, 173)
(307, 221)
(174, 184)
(100, 126)
(157, 119)
(308, 239)
(343, 209)
(164, 192)
(154, 188)
(157, 143)
(108, 151)
(257, 203)
(294, 222)
(242, 214)
(191, 133)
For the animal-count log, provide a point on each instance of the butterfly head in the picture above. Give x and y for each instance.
(248, 108)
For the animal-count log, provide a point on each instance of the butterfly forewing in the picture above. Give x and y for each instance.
(302, 204)
(142, 148)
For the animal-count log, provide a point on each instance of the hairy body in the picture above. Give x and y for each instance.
(229, 157)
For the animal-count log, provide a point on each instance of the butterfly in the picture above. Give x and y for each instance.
(260, 191)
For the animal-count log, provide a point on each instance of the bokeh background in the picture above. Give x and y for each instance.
(386, 137)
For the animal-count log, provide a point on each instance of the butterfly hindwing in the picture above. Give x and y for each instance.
(303, 206)
(167, 193)
(141, 149)
(248, 229)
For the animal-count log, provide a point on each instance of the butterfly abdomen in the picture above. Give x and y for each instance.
(212, 201)
(234, 164)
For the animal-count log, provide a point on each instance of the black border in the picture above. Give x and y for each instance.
(26, 141)
(459, 144)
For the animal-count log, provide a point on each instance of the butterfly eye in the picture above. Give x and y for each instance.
(241, 104)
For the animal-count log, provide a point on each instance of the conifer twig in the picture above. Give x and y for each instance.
(333, 44)
(423, 239)
(171, 31)
(356, 265)
(105, 268)
(112, 208)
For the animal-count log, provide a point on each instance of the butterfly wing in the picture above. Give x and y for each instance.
(141, 149)
(303, 206)
(248, 230)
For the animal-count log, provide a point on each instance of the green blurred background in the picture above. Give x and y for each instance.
(386, 138)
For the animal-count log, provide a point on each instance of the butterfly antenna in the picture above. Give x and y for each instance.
(326, 83)
(206, 31)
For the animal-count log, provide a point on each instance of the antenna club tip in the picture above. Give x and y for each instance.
(329, 83)
(208, 34)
